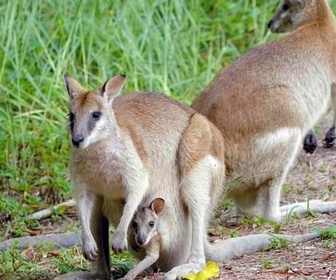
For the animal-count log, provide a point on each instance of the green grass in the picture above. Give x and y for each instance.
(169, 46)
(175, 47)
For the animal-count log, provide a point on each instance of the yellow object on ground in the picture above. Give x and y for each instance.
(211, 270)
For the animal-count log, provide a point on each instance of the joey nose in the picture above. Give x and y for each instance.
(141, 240)
(270, 23)
(77, 140)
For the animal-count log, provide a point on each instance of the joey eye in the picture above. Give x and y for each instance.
(151, 224)
(285, 7)
(96, 115)
(71, 116)
(134, 225)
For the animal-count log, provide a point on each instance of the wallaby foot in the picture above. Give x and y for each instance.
(90, 249)
(119, 242)
(329, 140)
(310, 142)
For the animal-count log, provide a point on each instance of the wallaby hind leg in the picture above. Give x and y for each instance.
(196, 194)
(263, 198)
(261, 201)
(199, 169)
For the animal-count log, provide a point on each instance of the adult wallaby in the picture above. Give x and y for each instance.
(290, 16)
(152, 239)
(125, 147)
(265, 102)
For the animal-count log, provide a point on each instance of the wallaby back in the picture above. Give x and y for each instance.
(266, 101)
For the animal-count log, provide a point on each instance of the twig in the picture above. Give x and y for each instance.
(45, 213)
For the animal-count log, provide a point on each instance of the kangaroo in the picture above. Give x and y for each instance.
(265, 102)
(125, 147)
(153, 242)
(288, 17)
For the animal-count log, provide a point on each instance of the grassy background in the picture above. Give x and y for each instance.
(169, 46)
(175, 47)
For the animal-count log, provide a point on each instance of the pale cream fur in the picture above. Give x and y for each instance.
(265, 102)
(128, 148)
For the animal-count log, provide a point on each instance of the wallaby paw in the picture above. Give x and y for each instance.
(329, 140)
(90, 250)
(119, 242)
(310, 143)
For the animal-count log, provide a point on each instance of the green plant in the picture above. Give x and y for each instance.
(267, 263)
(327, 233)
(277, 243)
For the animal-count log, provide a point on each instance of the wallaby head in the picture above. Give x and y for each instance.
(146, 220)
(292, 14)
(91, 117)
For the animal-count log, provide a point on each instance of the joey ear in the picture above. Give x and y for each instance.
(113, 86)
(73, 87)
(157, 205)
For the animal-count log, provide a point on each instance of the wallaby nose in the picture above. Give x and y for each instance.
(141, 240)
(76, 141)
(270, 23)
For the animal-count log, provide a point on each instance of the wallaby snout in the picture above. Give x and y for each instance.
(269, 24)
(77, 140)
(141, 240)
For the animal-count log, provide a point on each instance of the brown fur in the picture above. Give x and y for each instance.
(128, 148)
(265, 102)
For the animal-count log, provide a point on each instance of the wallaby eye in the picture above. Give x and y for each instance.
(151, 224)
(96, 115)
(285, 7)
(134, 225)
(71, 117)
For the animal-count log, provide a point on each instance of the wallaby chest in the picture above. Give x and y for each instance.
(102, 166)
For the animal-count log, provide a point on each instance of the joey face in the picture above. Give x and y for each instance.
(91, 117)
(145, 221)
(144, 225)
(290, 15)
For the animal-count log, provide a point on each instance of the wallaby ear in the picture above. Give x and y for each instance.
(157, 205)
(73, 87)
(113, 86)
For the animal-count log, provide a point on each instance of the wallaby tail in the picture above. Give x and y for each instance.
(245, 245)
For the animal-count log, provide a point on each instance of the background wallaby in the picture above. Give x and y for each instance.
(265, 102)
(127, 147)
(152, 236)
(288, 17)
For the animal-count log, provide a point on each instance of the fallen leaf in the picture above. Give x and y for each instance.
(211, 270)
